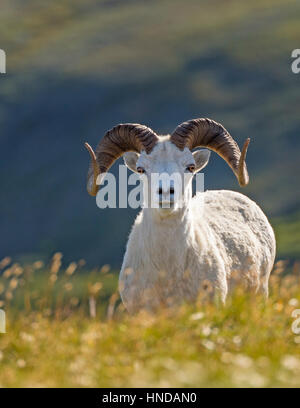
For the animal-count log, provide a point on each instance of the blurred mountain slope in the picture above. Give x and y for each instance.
(75, 69)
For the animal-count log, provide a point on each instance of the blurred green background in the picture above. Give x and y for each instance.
(75, 69)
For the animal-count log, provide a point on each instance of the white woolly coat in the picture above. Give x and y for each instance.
(218, 236)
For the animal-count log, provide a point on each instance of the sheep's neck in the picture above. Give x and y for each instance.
(166, 234)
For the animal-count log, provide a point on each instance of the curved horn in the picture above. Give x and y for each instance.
(120, 139)
(207, 133)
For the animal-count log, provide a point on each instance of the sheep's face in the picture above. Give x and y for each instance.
(167, 173)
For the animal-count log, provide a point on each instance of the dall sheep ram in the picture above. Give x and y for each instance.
(212, 237)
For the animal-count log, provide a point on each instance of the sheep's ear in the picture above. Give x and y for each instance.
(201, 158)
(130, 159)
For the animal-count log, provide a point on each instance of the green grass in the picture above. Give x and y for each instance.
(55, 339)
(287, 231)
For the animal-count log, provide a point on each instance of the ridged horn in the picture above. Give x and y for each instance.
(120, 139)
(207, 133)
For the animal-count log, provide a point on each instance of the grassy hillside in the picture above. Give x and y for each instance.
(287, 231)
(75, 69)
(65, 331)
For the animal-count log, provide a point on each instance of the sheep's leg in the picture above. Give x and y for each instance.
(264, 279)
(264, 286)
(221, 292)
(213, 291)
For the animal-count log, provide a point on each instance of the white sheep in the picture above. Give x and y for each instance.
(212, 237)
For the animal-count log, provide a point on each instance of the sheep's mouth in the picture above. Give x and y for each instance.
(166, 204)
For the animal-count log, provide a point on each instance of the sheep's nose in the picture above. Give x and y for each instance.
(166, 190)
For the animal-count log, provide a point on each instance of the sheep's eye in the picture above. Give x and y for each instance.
(191, 168)
(140, 170)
